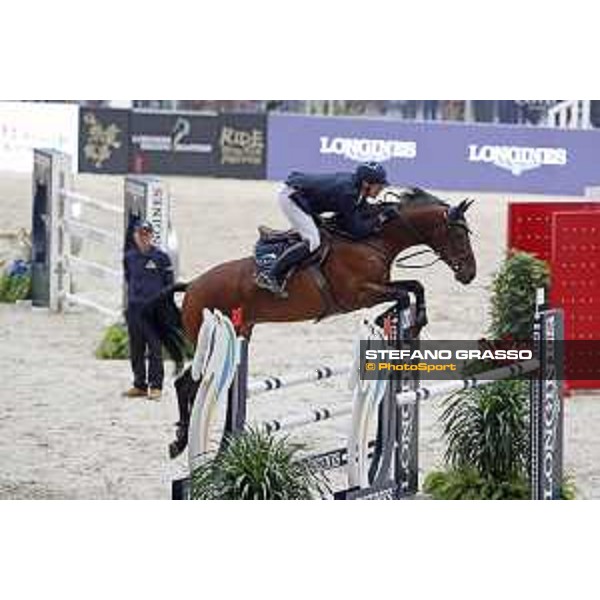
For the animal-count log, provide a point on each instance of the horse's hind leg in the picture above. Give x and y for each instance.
(186, 389)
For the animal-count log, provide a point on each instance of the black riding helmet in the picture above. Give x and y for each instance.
(371, 172)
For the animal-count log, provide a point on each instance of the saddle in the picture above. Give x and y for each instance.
(274, 236)
(273, 243)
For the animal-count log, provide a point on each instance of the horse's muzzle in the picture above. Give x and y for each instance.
(466, 273)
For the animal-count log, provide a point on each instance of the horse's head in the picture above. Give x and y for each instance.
(452, 242)
(430, 221)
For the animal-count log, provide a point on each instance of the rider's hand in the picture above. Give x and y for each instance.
(389, 212)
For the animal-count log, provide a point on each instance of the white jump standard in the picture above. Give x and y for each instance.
(379, 453)
(58, 233)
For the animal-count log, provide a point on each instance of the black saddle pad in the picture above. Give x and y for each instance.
(270, 246)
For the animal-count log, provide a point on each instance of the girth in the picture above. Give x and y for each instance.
(313, 267)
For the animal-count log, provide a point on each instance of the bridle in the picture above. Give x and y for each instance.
(442, 254)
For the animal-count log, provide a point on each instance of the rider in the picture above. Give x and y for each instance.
(305, 196)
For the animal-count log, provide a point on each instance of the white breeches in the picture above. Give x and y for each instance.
(304, 224)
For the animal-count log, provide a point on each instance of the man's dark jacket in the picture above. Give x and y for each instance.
(338, 193)
(146, 273)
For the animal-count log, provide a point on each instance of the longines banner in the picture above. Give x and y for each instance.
(164, 143)
(446, 156)
(103, 140)
(28, 125)
(242, 146)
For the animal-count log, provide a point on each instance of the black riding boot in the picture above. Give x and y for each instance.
(292, 256)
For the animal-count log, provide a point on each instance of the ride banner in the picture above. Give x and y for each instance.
(164, 143)
(444, 156)
(241, 147)
(103, 140)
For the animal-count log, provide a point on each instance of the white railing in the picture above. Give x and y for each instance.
(99, 204)
(92, 268)
(570, 114)
(96, 234)
(80, 300)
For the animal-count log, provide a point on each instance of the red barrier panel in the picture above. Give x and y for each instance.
(567, 236)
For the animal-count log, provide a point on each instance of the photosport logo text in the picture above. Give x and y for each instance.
(517, 159)
(364, 149)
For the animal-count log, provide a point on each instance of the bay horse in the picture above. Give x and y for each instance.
(351, 275)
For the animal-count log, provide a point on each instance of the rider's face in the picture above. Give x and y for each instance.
(143, 239)
(372, 190)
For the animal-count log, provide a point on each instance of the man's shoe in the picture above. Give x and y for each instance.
(154, 393)
(135, 392)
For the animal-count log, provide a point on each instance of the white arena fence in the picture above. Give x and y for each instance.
(82, 240)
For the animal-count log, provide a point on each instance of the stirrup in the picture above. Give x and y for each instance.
(270, 285)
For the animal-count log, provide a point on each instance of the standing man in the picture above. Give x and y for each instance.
(148, 270)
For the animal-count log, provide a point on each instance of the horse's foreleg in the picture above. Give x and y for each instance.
(415, 287)
(399, 291)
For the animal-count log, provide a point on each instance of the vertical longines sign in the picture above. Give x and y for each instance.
(546, 411)
(440, 155)
(146, 198)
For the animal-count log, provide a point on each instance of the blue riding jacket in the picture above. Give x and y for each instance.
(337, 193)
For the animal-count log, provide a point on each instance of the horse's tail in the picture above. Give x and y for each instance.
(164, 317)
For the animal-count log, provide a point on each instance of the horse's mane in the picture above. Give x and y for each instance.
(415, 196)
(408, 198)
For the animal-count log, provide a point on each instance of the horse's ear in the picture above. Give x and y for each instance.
(466, 204)
(458, 212)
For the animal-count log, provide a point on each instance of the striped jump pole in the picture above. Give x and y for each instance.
(242, 389)
(316, 415)
(271, 383)
(449, 387)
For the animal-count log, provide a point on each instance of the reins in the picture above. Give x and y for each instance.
(399, 262)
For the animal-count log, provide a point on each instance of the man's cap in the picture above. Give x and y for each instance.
(144, 225)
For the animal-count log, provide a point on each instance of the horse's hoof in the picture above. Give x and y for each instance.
(421, 319)
(175, 449)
